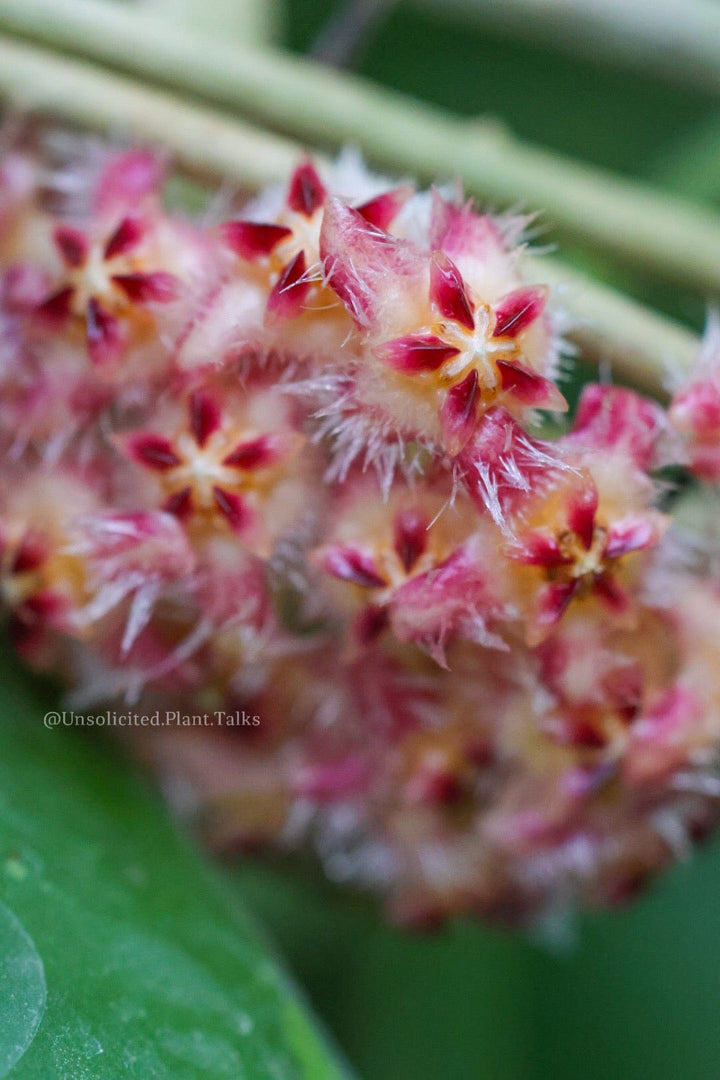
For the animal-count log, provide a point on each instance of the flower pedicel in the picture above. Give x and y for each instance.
(289, 466)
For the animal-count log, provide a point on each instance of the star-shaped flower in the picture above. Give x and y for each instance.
(289, 247)
(103, 281)
(211, 469)
(582, 553)
(471, 353)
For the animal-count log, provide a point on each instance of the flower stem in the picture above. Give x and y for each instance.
(641, 346)
(662, 234)
(238, 20)
(678, 40)
(206, 142)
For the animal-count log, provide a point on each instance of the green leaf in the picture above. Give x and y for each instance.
(121, 952)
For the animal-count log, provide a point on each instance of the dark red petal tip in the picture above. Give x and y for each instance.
(179, 504)
(459, 412)
(103, 333)
(410, 536)
(127, 236)
(205, 416)
(58, 307)
(582, 507)
(72, 245)
(415, 353)
(258, 453)
(252, 240)
(152, 451)
(30, 554)
(232, 508)
(518, 310)
(448, 292)
(157, 287)
(529, 388)
(611, 593)
(288, 295)
(539, 549)
(383, 209)
(352, 565)
(306, 192)
(554, 601)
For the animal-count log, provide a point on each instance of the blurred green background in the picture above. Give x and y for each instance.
(621, 996)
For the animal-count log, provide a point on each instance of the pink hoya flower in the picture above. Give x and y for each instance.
(446, 352)
(580, 539)
(288, 469)
(695, 409)
(288, 248)
(416, 563)
(103, 280)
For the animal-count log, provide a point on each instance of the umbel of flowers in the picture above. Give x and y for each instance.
(288, 466)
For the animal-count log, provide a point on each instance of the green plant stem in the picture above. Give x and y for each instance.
(641, 346)
(236, 20)
(678, 40)
(204, 141)
(661, 234)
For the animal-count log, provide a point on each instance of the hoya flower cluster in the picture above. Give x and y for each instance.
(288, 465)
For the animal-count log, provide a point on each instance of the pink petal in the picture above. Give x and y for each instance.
(306, 192)
(502, 462)
(460, 232)
(705, 461)
(251, 240)
(127, 180)
(383, 209)
(30, 554)
(554, 600)
(530, 388)
(127, 236)
(179, 504)
(410, 536)
(23, 288)
(326, 782)
(288, 295)
(611, 593)
(697, 409)
(415, 353)
(370, 623)
(258, 453)
(232, 507)
(58, 307)
(448, 293)
(611, 417)
(434, 786)
(661, 739)
(156, 287)
(72, 245)
(152, 451)
(103, 333)
(538, 549)
(351, 565)
(362, 262)
(458, 414)
(582, 507)
(631, 534)
(518, 310)
(205, 416)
